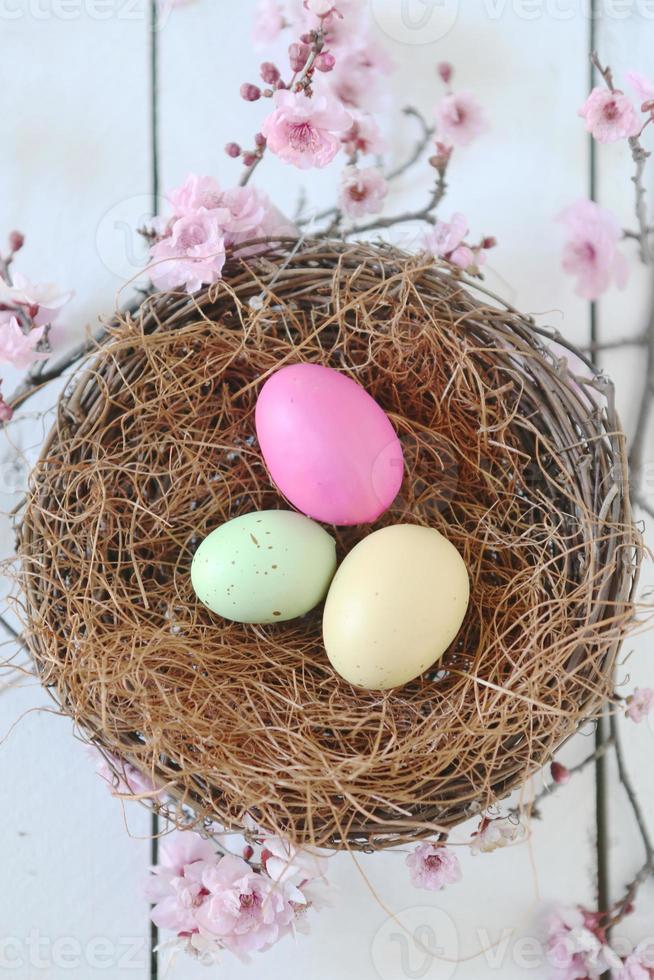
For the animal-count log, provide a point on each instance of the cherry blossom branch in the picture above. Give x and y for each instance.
(643, 236)
(298, 83)
(416, 154)
(420, 214)
(639, 155)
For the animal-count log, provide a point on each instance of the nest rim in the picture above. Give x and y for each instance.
(302, 266)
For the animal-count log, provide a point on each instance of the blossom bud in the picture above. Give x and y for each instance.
(265, 854)
(250, 92)
(16, 241)
(442, 156)
(325, 61)
(490, 242)
(298, 55)
(269, 73)
(647, 106)
(248, 851)
(6, 411)
(233, 150)
(249, 159)
(560, 774)
(308, 38)
(445, 71)
(260, 140)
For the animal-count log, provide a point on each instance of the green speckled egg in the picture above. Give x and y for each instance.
(264, 567)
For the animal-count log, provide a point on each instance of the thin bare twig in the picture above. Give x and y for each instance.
(6, 625)
(645, 407)
(573, 770)
(623, 906)
(419, 148)
(640, 340)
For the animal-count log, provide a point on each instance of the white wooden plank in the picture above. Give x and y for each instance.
(76, 146)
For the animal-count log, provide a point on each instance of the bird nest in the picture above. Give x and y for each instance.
(511, 450)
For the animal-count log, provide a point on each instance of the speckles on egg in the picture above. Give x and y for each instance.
(240, 579)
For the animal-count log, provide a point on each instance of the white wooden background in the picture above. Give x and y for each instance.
(76, 178)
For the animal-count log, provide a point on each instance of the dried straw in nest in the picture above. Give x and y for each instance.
(520, 464)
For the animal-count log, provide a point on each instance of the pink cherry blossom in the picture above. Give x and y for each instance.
(175, 888)
(243, 911)
(358, 75)
(47, 296)
(363, 136)
(268, 22)
(574, 951)
(634, 969)
(303, 131)
(609, 116)
(252, 216)
(362, 191)
(122, 777)
(193, 254)
(196, 192)
(496, 833)
(459, 119)
(591, 250)
(640, 704)
(433, 866)
(247, 209)
(641, 85)
(347, 24)
(639, 965)
(18, 348)
(445, 240)
(287, 863)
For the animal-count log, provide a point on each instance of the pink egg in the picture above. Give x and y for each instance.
(328, 445)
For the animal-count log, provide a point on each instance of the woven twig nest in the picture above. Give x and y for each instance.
(519, 463)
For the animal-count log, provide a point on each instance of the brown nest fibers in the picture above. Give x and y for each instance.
(520, 463)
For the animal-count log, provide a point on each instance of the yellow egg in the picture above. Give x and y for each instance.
(394, 606)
